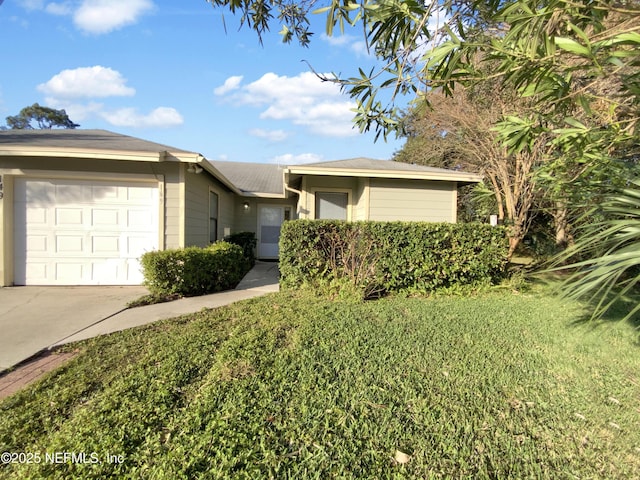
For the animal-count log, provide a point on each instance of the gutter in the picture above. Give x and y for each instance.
(400, 174)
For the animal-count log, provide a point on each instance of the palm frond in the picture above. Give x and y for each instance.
(608, 265)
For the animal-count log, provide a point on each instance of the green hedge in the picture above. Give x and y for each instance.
(193, 270)
(375, 258)
(247, 241)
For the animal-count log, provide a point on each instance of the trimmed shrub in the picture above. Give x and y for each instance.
(375, 258)
(247, 241)
(193, 270)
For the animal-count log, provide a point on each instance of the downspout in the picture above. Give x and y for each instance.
(291, 189)
(287, 188)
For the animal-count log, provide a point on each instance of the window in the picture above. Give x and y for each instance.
(332, 205)
(213, 217)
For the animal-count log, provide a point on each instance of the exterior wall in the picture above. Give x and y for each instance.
(246, 220)
(412, 200)
(384, 199)
(173, 208)
(197, 188)
(321, 183)
(166, 174)
(361, 200)
(6, 239)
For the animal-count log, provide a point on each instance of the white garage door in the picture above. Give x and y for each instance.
(79, 232)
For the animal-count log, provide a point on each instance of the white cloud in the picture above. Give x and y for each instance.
(32, 4)
(229, 85)
(270, 135)
(78, 112)
(95, 16)
(65, 90)
(437, 20)
(88, 82)
(290, 159)
(129, 117)
(349, 42)
(64, 8)
(304, 100)
(104, 16)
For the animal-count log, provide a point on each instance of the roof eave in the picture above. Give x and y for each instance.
(402, 174)
(98, 154)
(262, 194)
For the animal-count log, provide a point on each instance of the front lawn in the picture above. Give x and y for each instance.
(501, 385)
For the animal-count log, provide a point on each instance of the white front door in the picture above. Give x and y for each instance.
(82, 232)
(270, 220)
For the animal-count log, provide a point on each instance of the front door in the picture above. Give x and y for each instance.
(270, 218)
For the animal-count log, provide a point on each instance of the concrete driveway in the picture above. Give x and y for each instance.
(35, 318)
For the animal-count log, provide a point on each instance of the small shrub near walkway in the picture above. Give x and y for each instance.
(193, 270)
(295, 386)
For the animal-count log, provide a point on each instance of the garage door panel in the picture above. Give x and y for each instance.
(140, 220)
(69, 272)
(102, 245)
(69, 217)
(70, 244)
(140, 194)
(104, 217)
(80, 232)
(104, 193)
(136, 246)
(133, 271)
(35, 216)
(37, 243)
(70, 194)
(108, 269)
(36, 193)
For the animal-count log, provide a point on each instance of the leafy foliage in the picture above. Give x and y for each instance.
(296, 386)
(375, 258)
(193, 270)
(247, 241)
(611, 270)
(459, 132)
(576, 62)
(44, 117)
(568, 57)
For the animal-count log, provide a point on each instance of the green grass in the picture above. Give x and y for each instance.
(500, 385)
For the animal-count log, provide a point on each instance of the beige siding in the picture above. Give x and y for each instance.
(6, 238)
(172, 212)
(412, 200)
(197, 188)
(361, 200)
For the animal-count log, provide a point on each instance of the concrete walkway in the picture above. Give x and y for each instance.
(34, 319)
(262, 279)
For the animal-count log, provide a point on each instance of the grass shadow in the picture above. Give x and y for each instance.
(615, 313)
(549, 282)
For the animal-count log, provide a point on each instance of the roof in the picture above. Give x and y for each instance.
(247, 179)
(96, 143)
(372, 164)
(253, 178)
(368, 167)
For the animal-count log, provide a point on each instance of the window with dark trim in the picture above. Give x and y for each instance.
(332, 205)
(213, 217)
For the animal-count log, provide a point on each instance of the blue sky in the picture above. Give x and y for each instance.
(166, 71)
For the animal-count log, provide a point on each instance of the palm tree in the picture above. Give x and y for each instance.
(612, 247)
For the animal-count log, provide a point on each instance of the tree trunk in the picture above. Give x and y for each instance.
(563, 239)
